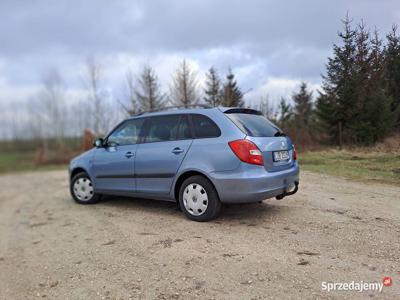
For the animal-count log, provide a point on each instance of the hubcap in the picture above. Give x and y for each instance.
(195, 199)
(83, 189)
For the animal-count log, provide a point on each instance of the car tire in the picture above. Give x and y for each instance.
(82, 190)
(199, 199)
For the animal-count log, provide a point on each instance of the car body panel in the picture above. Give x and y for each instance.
(268, 145)
(251, 183)
(156, 165)
(83, 161)
(113, 169)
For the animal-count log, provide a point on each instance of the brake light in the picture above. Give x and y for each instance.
(247, 152)
(294, 153)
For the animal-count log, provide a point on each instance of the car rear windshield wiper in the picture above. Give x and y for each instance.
(279, 133)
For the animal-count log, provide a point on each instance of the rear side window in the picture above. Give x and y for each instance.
(204, 127)
(254, 124)
(162, 128)
(184, 131)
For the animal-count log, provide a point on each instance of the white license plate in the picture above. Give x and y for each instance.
(281, 155)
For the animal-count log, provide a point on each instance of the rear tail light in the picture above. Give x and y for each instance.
(247, 152)
(294, 153)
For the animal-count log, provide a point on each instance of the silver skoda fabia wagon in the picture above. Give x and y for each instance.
(199, 158)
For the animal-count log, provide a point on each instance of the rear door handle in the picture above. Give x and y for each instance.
(177, 150)
(128, 154)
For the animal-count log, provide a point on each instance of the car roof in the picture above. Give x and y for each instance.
(178, 111)
(203, 110)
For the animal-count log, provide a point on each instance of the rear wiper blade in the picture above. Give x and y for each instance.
(279, 133)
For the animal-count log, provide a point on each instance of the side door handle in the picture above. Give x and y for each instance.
(128, 154)
(177, 150)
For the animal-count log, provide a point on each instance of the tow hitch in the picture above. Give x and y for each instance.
(286, 193)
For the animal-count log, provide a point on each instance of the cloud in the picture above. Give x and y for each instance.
(270, 45)
(276, 87)
(11, 94)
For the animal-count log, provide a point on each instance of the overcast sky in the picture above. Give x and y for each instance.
(270, 45)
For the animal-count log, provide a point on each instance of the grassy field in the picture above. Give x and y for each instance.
(382, 167)
(374, 166)
(22, 161)
(19, 155)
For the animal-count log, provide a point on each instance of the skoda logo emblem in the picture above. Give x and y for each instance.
(283, 145)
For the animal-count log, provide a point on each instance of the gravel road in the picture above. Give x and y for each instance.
(332, 230)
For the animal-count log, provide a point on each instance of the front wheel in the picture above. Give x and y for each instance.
(199, 199)
(82, 190)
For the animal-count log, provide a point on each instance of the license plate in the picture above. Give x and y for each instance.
(281, 155)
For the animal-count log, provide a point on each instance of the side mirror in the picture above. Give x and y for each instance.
(98, 143)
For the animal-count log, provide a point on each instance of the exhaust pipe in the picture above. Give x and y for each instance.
(285, 193)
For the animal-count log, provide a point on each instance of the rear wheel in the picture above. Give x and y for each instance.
(82, 190)
(198, 199)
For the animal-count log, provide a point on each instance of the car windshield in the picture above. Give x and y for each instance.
(254, 125)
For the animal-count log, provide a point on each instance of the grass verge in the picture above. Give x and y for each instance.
(372, 166)
(22, 161)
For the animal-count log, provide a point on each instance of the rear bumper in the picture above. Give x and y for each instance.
(250, 183)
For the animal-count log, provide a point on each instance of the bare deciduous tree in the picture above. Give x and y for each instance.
(184, 86)
(51, 108)
(92, 82)
(132, 107)
(34, 111)
(148, 92)
(266, 108)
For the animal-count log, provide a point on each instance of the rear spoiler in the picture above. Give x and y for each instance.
(238, 110)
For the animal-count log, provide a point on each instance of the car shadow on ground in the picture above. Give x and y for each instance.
(243, 212)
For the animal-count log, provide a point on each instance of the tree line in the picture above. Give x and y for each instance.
(184, 90)
(358, 102)
(53, 115)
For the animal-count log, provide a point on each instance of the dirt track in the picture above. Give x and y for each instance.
(332, 230)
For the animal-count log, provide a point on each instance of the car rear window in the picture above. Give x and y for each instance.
(253, 124)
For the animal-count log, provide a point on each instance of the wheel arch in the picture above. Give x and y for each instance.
(185, 175)
(77, 170)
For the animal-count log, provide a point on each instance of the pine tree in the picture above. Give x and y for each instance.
(358, 127)
(376, 119)
(303, 106)
(148, 94)
(392, 68)
(302, 131)
(372, 119)
(232, 95)
(213, 92)
(184, 86)
(284, 114)
(335, 102)
(354, 106)
(326, 121)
